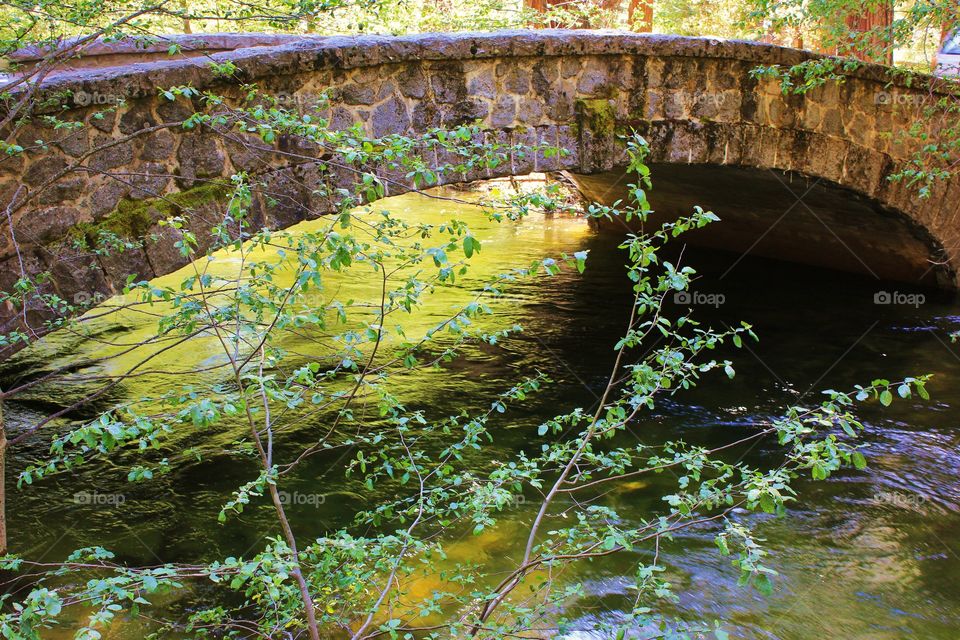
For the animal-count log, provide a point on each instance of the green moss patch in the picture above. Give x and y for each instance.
(597, 115)
(132, 219)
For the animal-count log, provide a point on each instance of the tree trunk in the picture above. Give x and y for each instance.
(541, 6)
(876, 50)
(187, 27)
(3, 483)
(949, 24)
(643, 22)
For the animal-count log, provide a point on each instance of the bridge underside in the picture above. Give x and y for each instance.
(785, 216)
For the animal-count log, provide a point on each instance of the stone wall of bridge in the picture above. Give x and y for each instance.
(695, 100)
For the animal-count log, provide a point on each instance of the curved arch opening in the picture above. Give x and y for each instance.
(787, 216)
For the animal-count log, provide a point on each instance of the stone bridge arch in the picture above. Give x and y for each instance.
(694, 99)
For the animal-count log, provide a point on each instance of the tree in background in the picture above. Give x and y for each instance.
(640, 15)
(869, 30)
(876, 22)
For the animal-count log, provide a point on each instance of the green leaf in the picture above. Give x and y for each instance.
(767, 503)
(470, 246)
(764, 585)
(858, 460)
(886, 397)
(581, 259)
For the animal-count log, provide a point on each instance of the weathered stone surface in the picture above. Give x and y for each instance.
(103, 120)
(482, 85)
(412, 82)
(530, 112)
(111, 153)
(43, 170)
(284, 197)
(593, 79)
(570, 67)
(105, 198)
(390, 117)
(248, 152)
(75, 144)
(545, 74)
(149, 181)
(448, 83)
(342, 118)
(160, 249)
(504, 111)
(72, 275)
(158, 146)
(467, 111)
(47, 225)
(64, 190)
(138, 117)
(354, 94)
(117, 265)
(425, 116)
(517, 81)
(174, 111)
(199, 157)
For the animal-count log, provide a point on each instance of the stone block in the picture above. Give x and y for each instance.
(199, 156)
(390, 117)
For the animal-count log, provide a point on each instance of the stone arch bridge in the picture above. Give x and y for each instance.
(796, 177)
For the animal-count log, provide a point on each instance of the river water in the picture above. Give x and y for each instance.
(865, 555)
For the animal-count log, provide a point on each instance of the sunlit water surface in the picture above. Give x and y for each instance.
(868, 555)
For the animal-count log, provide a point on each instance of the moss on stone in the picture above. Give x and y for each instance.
(132, 219)
(597, 115)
